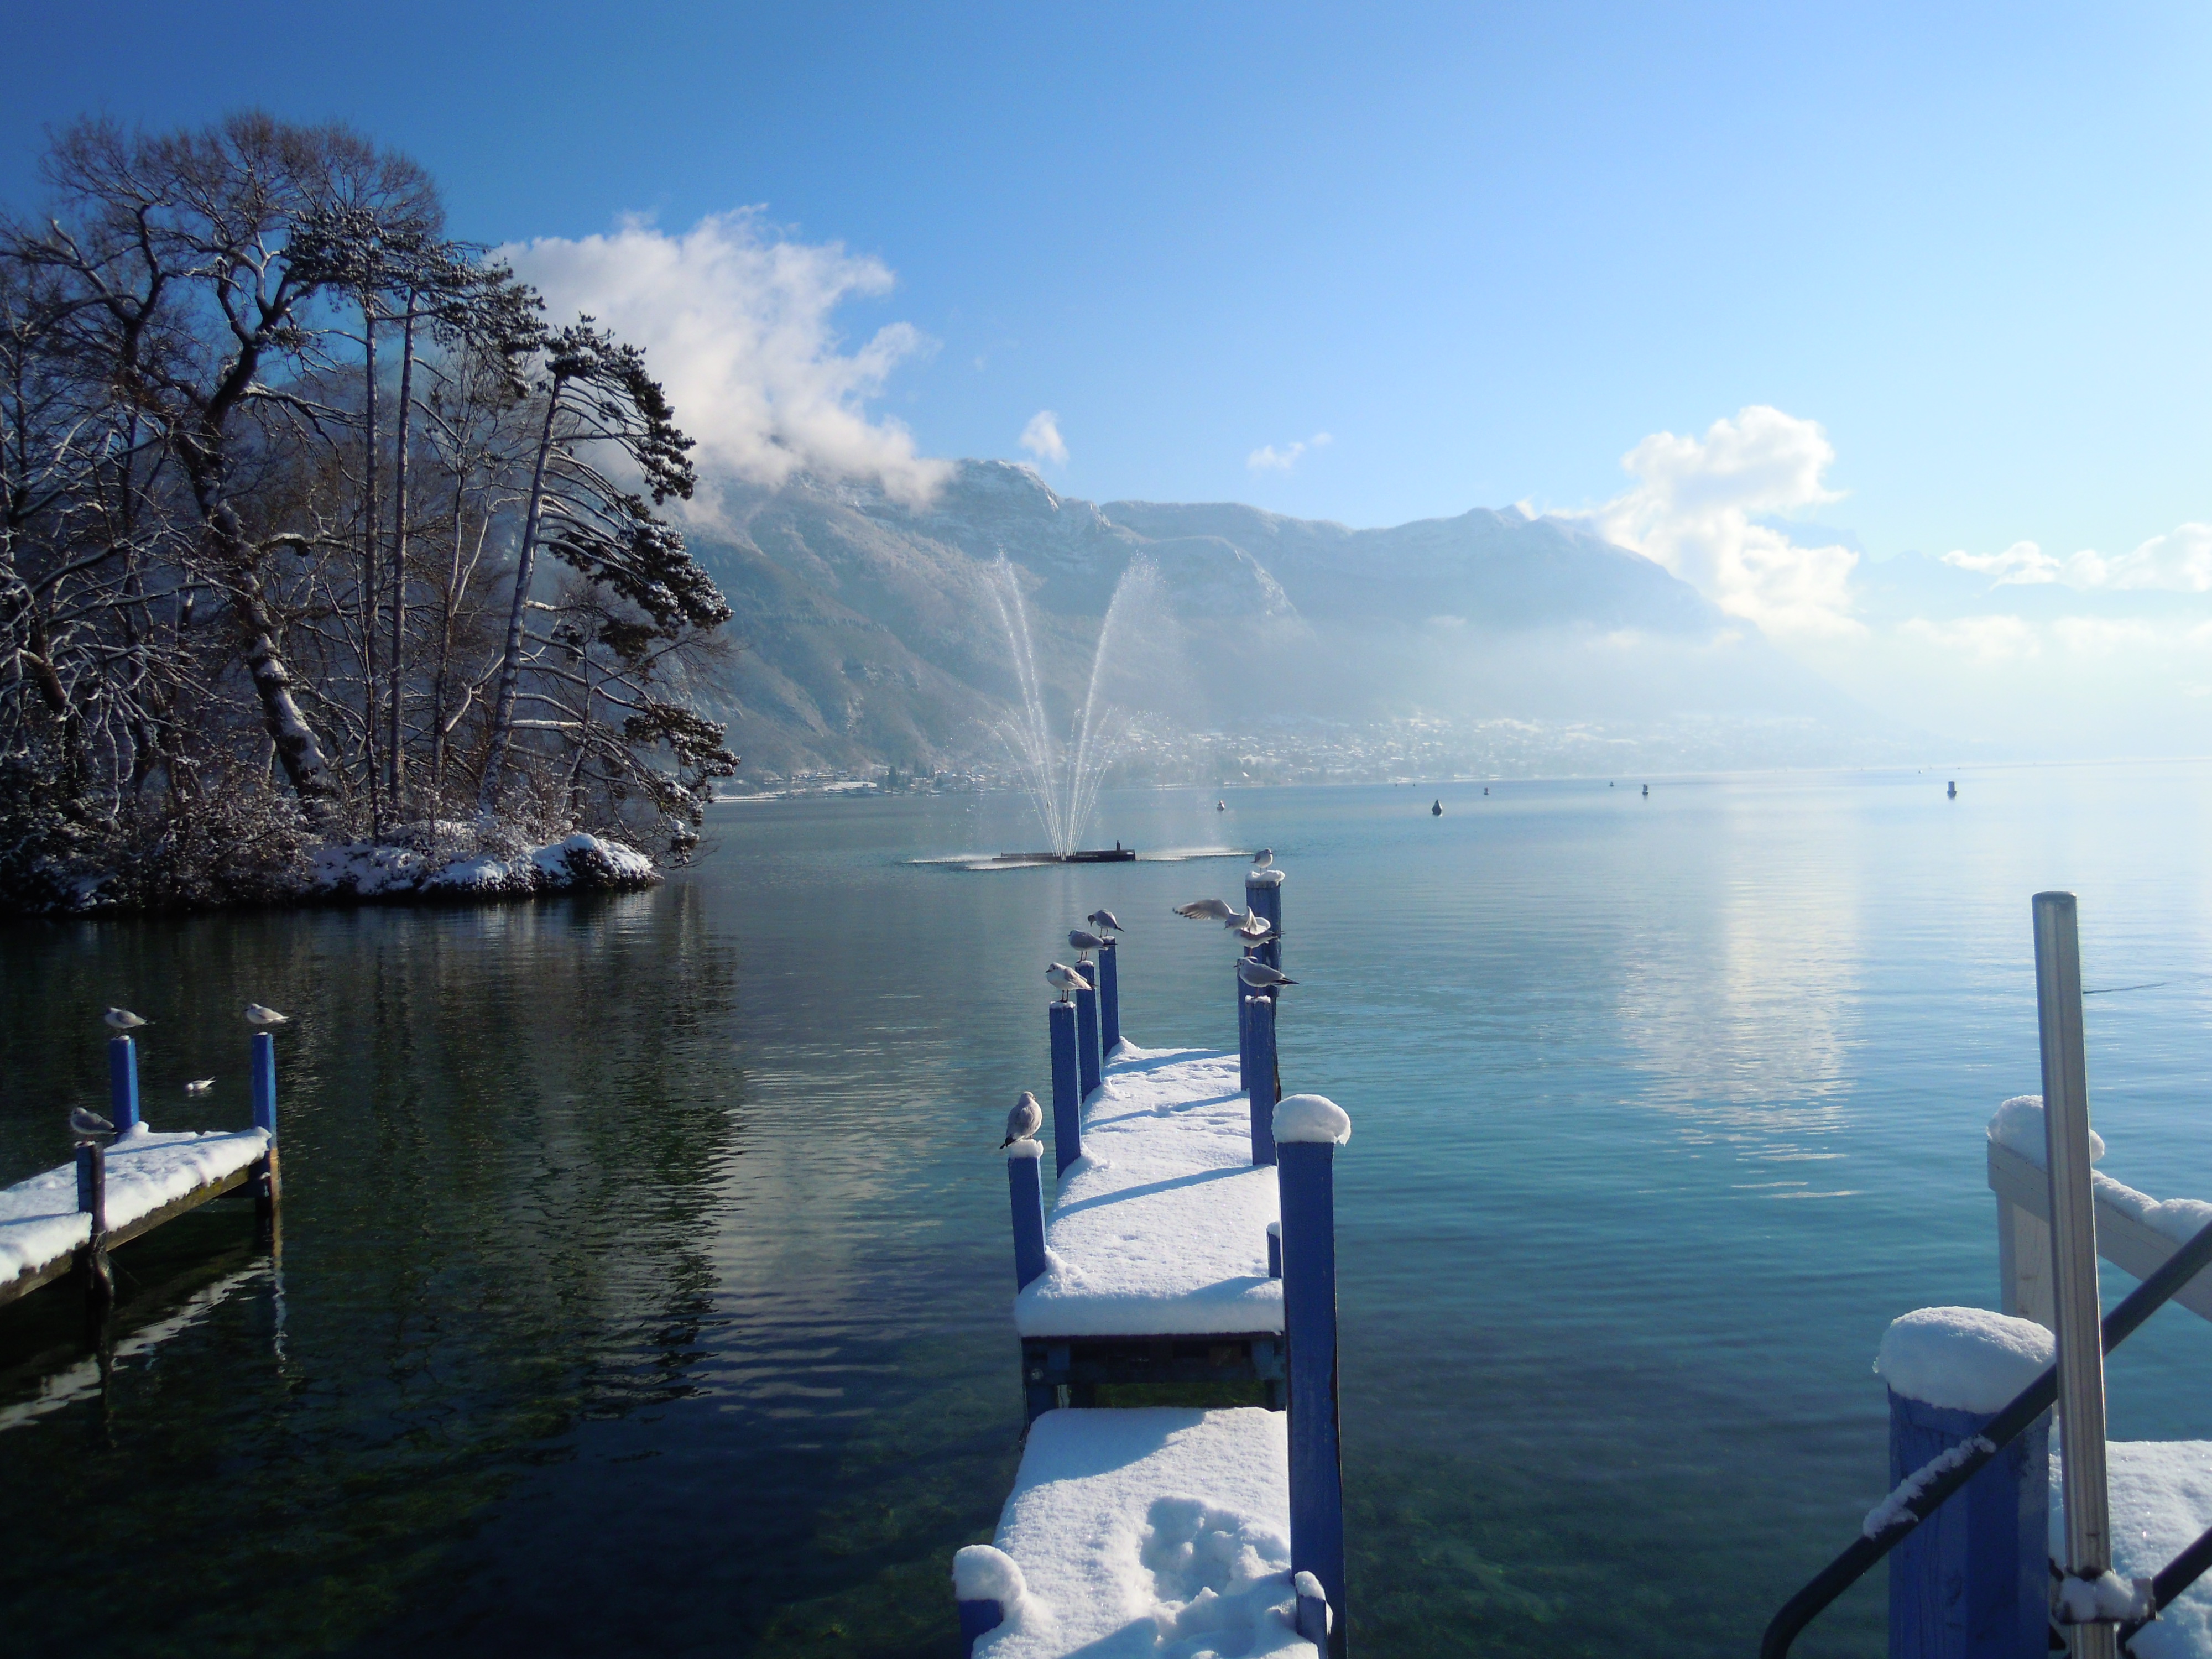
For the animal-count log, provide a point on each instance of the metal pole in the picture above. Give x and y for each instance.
(1109, 999)
(1067, 1094)
(2073, 1252)
(123, 1083)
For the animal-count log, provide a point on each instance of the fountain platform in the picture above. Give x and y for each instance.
(1116, 854)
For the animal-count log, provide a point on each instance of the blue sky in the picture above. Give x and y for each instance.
(1487, 251)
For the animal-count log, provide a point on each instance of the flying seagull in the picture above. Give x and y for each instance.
(88, 1124)
(1022, 1122)
(200, 1085)
(1255, 929)
(1206, 910)
(258, 1015)
(1064, 979)
(1104, 922)
(1260, 976)
(1083, 941)
(123, 1019)
(1263, 858)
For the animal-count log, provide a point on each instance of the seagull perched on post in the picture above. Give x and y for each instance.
(1263, 858)
(258, 1015)
(85, 1125)
(1085, 942)
(1259, 976)
(200, 1085)
(1064, 979)
(1104, 922)
(1022, 1122)
(123, 1019)
(1206, 910)
(1255, 929)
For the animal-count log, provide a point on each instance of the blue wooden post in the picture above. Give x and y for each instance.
(1025, 1190)
(1260, 1075)
(1067, 1094)
(1973, 1578)
(1263, 891)
(123, 1083)
(1086, 1037)
(262, 1066)
(1274, 1244)
(978, 1619)
(1308, 1129)
(95, 1277)
(1244, 1036)
(1109, 999)
(984, 1580)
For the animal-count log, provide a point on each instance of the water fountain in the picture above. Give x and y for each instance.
(1063, 776)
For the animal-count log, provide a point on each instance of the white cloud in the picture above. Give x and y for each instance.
(2100, 636)
(1985, 639)
(2180, 560)
(735, 320)
(1267, 457)
(1693, 506)
(1041, 437)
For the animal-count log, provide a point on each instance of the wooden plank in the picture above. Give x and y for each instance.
(23, 1283)
(2121, 1240)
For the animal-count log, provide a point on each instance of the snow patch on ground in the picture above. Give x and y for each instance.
(1965, 1359)
(1160, 1228)
(2162, 1499)
(1158, 1532)
(40, 1221)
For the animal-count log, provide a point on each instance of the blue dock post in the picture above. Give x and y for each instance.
(1110, 1000)
(1263, 891)
(1260, 1075)
(1067, 1095)
(1308, 1130)
(1025, 1190)
(96, 1277)
(1973, 1578)
(123, 1083)
(984, 1581)
(1243, 1035)
(268, 1179)
(1086, 1037)
(1274, 1242)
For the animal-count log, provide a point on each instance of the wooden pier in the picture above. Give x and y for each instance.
(1190, 1249)
(66, 1220)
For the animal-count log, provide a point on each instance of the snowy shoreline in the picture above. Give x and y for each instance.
(396, 871)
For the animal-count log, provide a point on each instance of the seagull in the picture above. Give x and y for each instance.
(1104, 922)
(123, 1019)
(1206, 910)
(1083, 941)
(258, 1015)
(1022, 1122)
(1064, 979)
(1260, 977)
(1263, 858)
(88, 1124)
(1255, 929)
(200, 1085)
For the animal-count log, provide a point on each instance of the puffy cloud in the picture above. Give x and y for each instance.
(1697, 508)
(735, 320)
(1983, 639)
(1268, 459)
(2100, 636)
(2180, 560)
(1041, 437)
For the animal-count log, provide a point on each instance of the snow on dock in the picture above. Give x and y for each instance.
(2162, 1499)
(1155, 1531)
(150, 1175)
(1160, 1228)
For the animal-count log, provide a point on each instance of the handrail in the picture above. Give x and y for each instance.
(2008, 1424)
(2175, 1577)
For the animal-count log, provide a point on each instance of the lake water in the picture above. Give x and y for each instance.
(645, 1267)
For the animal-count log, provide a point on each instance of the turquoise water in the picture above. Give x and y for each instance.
(644, 1272)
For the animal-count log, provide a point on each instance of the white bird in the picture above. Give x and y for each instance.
(1104, 922)
(200, 1085)
(123, 1019)
(1064, 979)
(1260, 976)
(1255, 929)
(88, 1124)
(1263, 858)
(1022, 1122)
(258, 1015)
(1206, 910)
(1083, 941)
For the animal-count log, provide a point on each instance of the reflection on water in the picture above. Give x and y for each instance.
(645, 1274)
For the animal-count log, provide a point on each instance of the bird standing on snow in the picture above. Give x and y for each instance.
(85, 1125)
(1206, 910)
(1085, 942)
(123, 1019)
(1259, 976)
(258, 1015)
(1263, 858)
(200, 1085)
(1104, 922)
(1022, 1122)
(1064, 979)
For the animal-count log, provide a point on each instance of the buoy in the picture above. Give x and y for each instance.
(1437, 810)
(1221, 806)
(1646, 792)
(1951, 791)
